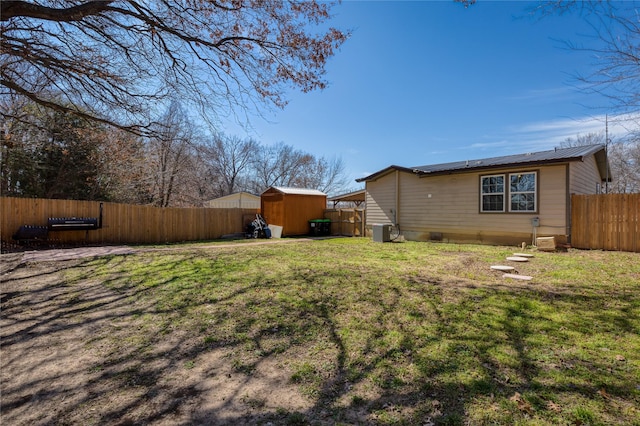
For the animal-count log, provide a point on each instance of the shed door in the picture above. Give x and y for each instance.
(273, 208)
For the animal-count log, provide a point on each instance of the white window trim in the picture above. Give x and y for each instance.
(506, 194)
(535, 192)
(503, 193)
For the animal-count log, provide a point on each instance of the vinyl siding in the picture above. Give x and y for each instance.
(553, 201)
(450, 205)
(381, 198)
(584, 176)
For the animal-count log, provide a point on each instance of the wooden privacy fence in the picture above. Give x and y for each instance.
(606, 222)
(122, 223)
(346, 222)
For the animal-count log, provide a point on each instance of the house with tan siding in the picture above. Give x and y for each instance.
(498, 200)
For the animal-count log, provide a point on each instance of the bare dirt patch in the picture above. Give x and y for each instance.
(65, 361)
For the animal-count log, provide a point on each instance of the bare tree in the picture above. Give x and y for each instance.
(124, 171)
(583, 140)
(170, 155)
(615, 44)
(325, 175)
(283, 165)
(624, 158)
(113, 61)
(279, 165)
(228, 159)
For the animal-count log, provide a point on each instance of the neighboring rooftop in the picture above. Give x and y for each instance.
(235, 200)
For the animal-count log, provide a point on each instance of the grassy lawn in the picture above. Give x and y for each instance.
(396, 333)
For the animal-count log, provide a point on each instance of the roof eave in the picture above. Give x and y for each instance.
(384, 172)
(602, 161)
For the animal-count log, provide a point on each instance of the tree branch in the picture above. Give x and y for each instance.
(125, 56)
(136, 130)
(16, 8)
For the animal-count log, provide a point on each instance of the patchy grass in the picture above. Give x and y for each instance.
(407, 333)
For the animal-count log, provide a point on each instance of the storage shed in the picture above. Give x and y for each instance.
(292, 208)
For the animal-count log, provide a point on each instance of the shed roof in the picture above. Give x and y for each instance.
(561, 155)
(296, 191)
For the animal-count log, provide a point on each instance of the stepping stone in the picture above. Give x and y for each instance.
(518, 277)
(517, 259)
(503, 268)
(529, 255)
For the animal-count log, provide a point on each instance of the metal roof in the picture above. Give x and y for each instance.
(557, 155)
(297, 191)
(561, 155)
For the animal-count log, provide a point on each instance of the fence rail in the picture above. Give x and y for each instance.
(346, 222)
(122, 223)
(606, 222)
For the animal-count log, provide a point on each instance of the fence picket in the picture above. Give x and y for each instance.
(606, 222)
(122, 223)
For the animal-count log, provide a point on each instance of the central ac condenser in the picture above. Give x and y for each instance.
(381, 233)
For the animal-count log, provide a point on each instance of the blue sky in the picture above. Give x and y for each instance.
(426, 82)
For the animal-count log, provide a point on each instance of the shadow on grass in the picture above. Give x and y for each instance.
(424, 354)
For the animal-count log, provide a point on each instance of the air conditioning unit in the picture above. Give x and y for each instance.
(381, 233)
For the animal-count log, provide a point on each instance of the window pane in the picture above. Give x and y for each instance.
(525, 182)
(523, 202)
(522, 188)
(492, 184)
(492, 203)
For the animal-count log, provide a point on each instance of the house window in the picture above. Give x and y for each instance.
(492, 193)
(519, 190)
(522, 192)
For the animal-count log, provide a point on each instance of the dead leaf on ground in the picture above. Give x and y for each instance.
(523, 405)
(552, 406)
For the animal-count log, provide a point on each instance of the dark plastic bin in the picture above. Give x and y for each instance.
(319, 227)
